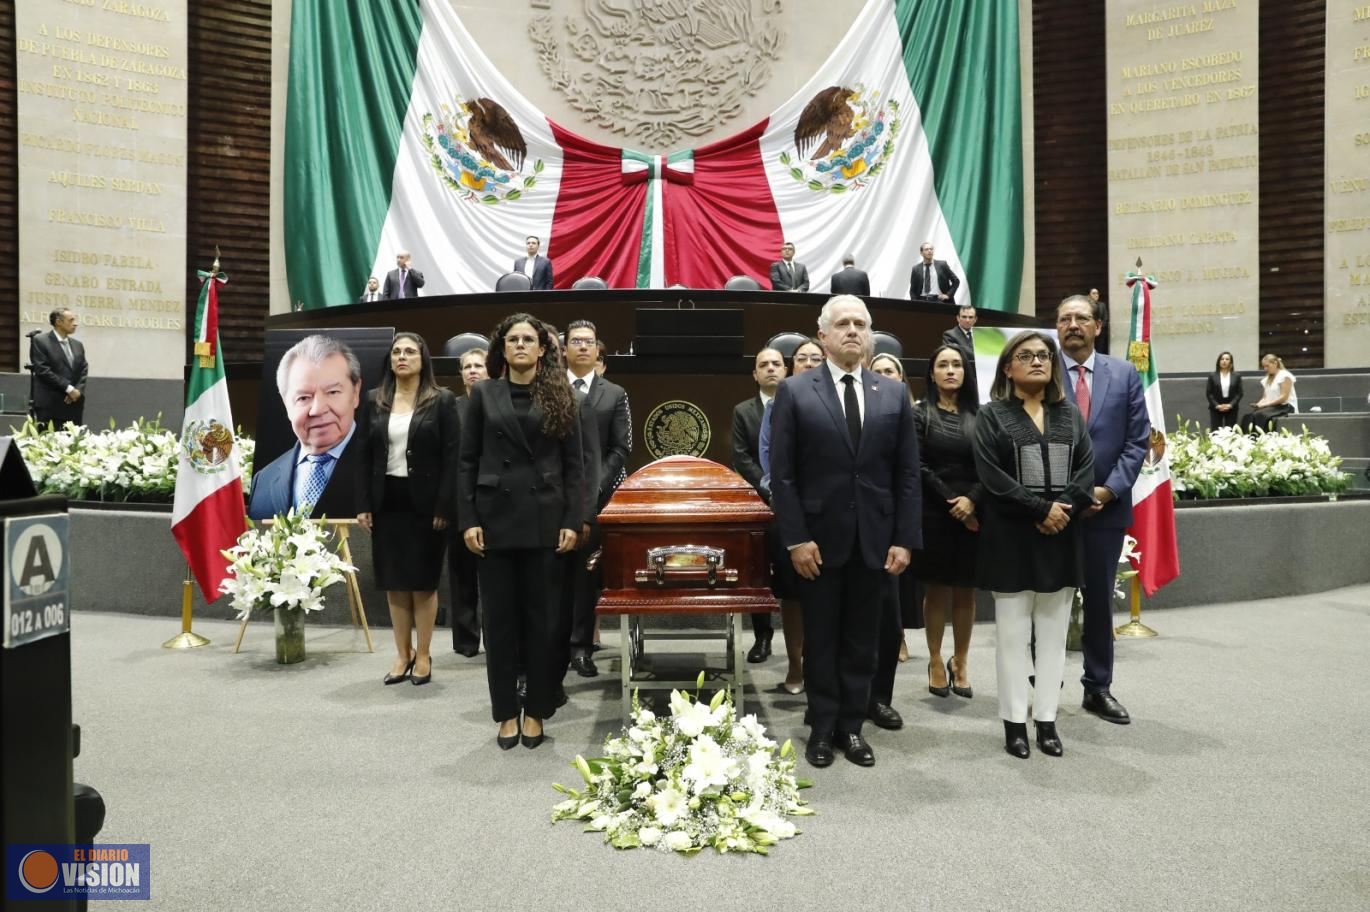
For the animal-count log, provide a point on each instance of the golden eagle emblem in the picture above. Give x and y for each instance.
(477, 149)
(1157, 451)
(851, 135)
(207, 444)
(828, 114)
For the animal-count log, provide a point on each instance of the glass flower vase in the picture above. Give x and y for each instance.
(289, 635)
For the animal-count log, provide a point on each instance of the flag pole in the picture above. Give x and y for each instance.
(1135, 627)
(186, 639)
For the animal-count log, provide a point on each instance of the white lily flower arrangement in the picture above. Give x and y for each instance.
(136, 463)
(682, 782)
(1230, 463)
(287, 564)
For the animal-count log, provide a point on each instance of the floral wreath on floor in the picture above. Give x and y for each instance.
(682, 782)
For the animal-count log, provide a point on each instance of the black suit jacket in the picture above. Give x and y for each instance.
(515, 482)
(956, 337)
(826, 491)
(1214, 392)
(542, 271)
(607, 402)
(945, 277)
(273, 487)
(431, 454)
(747, 440)
(380, 296)
(52, 374)
(850, 281)
(782, 282)
(392, 289)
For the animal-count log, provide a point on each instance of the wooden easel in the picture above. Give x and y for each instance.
(354, 592)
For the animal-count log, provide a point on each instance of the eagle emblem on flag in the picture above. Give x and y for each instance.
(478, 152)
(843, 139)
(207, 444)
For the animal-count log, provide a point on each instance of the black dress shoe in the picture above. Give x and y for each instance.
(856, 749)
(819, 750)
(1102, 704)
(760, 651)
(469, 651)
(395, 679)
(584, 666)
(885, 716)
(1048, 740)
(1015, 739)
(417, 680)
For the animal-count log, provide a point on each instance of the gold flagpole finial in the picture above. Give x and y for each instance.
(215, 268)
(1139, 264)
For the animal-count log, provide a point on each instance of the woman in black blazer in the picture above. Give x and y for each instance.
(521, 503)
(1224, 393)
(406, 496)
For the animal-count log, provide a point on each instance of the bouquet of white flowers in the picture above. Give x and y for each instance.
(287, 564)
(1230, 463)
(695, 778)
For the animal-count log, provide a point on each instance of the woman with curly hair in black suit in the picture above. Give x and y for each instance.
(520, 504)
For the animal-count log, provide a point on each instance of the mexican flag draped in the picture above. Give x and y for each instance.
(208, 513)
(1153, 503)
(402, 135)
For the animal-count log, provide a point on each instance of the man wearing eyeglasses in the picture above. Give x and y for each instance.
(1108, 393)
(608, 403)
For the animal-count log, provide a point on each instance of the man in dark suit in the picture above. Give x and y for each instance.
(787, 273)
(59, 367)
(1109, 394)
(320, 382)
(537, 268)
(769, 370)
(1101, 308)
(846, 492)
(606, 403)
(461, 563)
(403, 281)
(849, 279)
(962, 336)
(931, 279)
(372, 293)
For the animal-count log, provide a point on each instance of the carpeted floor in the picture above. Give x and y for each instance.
(1240, 785)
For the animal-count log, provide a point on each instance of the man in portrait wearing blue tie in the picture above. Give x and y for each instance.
(320, 382)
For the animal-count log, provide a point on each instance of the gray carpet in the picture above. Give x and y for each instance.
(1240, 785)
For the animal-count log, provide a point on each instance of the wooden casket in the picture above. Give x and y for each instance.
(683, 536)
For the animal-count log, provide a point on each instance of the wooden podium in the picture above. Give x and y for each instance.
(684, 536)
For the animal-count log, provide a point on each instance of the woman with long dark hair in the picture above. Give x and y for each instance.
(951, 497)
(1224, 393)
(1035, 462)
(520, 504)
(406, 496)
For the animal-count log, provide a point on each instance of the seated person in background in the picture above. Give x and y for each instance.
(536, 267)
(849, 279)
(1224, 393)
(403, 281)
(787, 273)
(1277, 396)
(932, 280)
(373, 291)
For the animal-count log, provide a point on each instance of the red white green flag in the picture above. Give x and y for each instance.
(1153, 503)
(208, 514)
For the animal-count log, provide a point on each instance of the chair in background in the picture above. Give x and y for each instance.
(513, 281)
(742, 283)
(887, 344)
(593, 283)
(786, 343)
(457, 346)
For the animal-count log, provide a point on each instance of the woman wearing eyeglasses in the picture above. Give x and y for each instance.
(521, 504)
(1035, 463)
(406, 495)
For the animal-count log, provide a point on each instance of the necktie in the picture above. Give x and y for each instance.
(1082, 393)
(404, 282)
(66, 349)
(317, 480)
(853, 409)
(927, 278)
(579, 386)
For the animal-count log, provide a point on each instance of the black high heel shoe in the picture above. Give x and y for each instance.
(532, 741)
(1015, 739)
(395, 679)
(966, 692)
(509, 742)
(1048, 740)
(418, 680)
(938, 691)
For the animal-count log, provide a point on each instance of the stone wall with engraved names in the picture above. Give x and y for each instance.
(1348, 184)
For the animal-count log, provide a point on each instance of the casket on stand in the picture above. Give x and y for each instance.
(683, 536)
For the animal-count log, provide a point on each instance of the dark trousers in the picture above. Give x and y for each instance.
(1217, 419)
(521, 588)
(461, 569)
(842, 612)
(583, 594)
(1265, 418)
(1102, 549)
(59, 414)
(891, 635)
(762, 624)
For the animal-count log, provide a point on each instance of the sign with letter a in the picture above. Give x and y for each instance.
(37, 580)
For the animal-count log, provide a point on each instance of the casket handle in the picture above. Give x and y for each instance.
(685, 564)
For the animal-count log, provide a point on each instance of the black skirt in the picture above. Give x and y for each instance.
(948, 555)
(407, 553)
